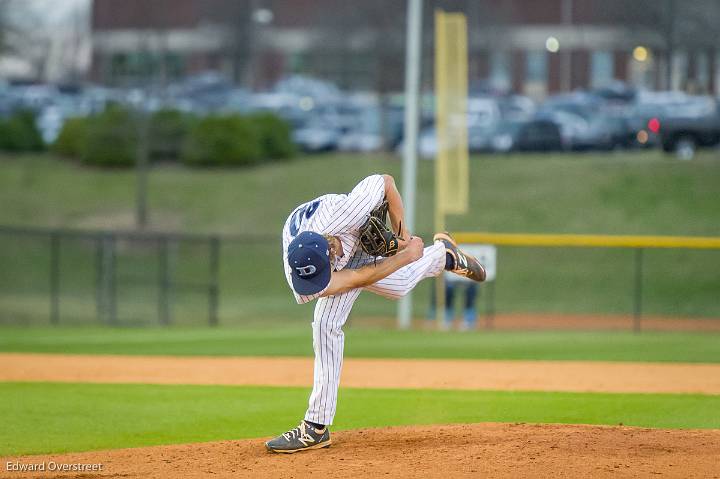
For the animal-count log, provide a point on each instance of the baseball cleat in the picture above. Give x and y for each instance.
(465, 265)
(301, 438)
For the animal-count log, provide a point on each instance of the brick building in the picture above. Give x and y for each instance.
(531, 46)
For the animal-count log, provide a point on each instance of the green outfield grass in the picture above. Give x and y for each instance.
(277, 339)
(624, 193)
(53, 417)
(629, 192)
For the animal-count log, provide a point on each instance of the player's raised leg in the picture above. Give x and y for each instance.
(402, 281)
(443, 254)
(463, 264)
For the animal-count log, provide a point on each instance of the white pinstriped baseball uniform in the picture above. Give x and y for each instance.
(342, 216)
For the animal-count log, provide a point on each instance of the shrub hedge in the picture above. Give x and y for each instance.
(228, 140)
(275, 136)
(167, 131)
(71, 139)
(18, 133)
(110, 138)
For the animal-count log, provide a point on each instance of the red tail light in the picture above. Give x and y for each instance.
(654, 125)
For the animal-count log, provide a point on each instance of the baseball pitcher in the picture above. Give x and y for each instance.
(335, 247)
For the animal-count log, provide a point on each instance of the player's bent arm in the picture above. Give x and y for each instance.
(395, 206)
(348, 279)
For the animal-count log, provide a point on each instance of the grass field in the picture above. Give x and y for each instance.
(296, 340)
(52, 417)
(633, 193)
(624, 193)
(62, 417)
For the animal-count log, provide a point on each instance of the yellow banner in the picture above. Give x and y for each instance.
(451, 91)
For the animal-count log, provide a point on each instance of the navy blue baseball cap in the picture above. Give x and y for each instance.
(309, 260)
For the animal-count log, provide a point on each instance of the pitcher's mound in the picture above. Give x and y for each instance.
(475, 450)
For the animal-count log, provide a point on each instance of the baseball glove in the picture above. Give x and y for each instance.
(376, 238)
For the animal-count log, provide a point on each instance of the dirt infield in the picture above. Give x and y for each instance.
(582, 376)
(567, 322)
(529, 322)
(476, 450)
(555, 322)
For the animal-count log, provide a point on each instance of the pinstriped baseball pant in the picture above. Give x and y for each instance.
(331, 314)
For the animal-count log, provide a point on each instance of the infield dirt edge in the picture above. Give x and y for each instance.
(464, 450)
(459, 374)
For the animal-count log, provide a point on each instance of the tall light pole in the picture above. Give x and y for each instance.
(141, 167)
(142, 121)
(409, 170)
(566, 54)
(670, 12)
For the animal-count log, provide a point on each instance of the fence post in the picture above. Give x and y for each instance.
(214, 286)
(99, 280)
(490, 305)
(638, 290)
(55, 277)
(112, 278)
(163, 281)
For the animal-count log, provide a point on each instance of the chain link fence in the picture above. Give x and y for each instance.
(64, 277)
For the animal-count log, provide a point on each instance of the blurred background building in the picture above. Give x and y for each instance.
(335, 70)
(526, 46)
(44, 40)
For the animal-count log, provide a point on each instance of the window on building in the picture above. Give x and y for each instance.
(679, 70)
(702, 75)
(537, 66)
(175, 65)
(643, 72)
(500, 74)
(118, 65)
(536, 74)
(717, 74)
(601, 68)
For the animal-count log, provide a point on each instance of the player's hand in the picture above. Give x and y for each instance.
(403, 240)
(414, 248)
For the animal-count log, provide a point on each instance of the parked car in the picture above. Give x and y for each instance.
(359, 141)
(584, 105)
(604, 132)
(317, 136)
(479, 135)
(427, 143)
(616, 93)
(480, 138)
(33, 97)
(516, 107)
(573, 127)
(527, 135)
(49, 122)
(202, 93)
(691, 126)
(361, 120)
(645, 114)
(482, 111)
(286, 106)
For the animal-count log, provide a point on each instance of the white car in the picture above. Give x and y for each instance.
(361, 142)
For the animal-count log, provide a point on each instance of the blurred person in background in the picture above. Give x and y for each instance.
(455, 284)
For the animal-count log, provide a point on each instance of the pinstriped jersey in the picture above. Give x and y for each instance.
(339, 215)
